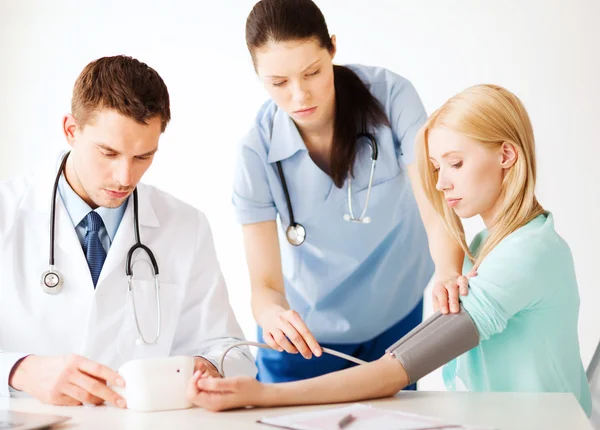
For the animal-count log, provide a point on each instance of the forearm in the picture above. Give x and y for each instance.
(430, 345)
(446, 253)
(264, 298)
(261, 242)
(382, 378)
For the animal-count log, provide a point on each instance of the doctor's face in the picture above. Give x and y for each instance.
(110, 154)
(298, 75)
(469, 174)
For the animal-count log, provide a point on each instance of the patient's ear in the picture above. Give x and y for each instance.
(509, 155)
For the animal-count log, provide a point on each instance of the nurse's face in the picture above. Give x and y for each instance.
(109, 156)
(469, 174)
(298, 75)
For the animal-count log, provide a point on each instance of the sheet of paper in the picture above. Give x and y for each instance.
(367, 418)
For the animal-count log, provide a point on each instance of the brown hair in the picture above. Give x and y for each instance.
(124, 84)
(355, 107)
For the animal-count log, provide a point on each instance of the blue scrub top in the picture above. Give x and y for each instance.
(349, 282)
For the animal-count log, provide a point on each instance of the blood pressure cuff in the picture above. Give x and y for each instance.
(435, 342)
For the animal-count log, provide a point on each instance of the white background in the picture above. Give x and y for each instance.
(546, 51)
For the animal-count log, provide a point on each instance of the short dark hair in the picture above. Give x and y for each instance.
(124, 84)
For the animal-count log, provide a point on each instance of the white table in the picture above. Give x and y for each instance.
(500, 410)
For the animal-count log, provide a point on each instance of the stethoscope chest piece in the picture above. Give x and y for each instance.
(296, 234)
(52, 281)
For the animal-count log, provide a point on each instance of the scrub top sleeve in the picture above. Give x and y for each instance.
(407, 116)
(252, 198)
(508, 281)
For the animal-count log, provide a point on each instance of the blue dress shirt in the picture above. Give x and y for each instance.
(78, 209)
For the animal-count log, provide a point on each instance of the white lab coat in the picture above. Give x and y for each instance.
(197, 318)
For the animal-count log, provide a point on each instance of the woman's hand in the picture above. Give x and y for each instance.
(206, 368)
(215, 394)
(446, 290)
(284, 330)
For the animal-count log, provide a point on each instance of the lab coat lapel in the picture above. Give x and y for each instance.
(67, 240)
(65, 237)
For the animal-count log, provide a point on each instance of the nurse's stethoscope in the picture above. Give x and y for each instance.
(52, 280)
(296, 233)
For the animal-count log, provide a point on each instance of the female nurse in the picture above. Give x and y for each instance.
(331, 154)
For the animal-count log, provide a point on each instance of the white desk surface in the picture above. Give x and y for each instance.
(547, 411)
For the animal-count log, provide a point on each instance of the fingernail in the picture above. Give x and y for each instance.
(120, 382)
(317, 352)
(196, 373)
(121, 404)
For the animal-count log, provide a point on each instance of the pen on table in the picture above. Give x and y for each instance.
(346, 421)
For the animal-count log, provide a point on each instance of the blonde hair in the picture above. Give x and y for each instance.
(490, 115)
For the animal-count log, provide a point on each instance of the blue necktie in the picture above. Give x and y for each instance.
(94, 252)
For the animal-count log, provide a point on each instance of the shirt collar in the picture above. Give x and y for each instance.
(285, 138)
(78, 209)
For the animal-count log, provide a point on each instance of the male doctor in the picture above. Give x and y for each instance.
(63, 345)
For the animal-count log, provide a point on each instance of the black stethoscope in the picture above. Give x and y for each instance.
(296, 233)
(52, 280)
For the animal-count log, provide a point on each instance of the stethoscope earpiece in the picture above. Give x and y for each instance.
(364, 220)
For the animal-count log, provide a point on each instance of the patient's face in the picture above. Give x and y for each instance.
(469, 174)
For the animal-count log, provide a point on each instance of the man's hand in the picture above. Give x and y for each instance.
(206, 368)
(66, 380)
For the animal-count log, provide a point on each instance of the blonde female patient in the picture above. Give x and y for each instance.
(517, 330)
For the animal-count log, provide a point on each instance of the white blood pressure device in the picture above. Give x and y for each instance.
(156, 384)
